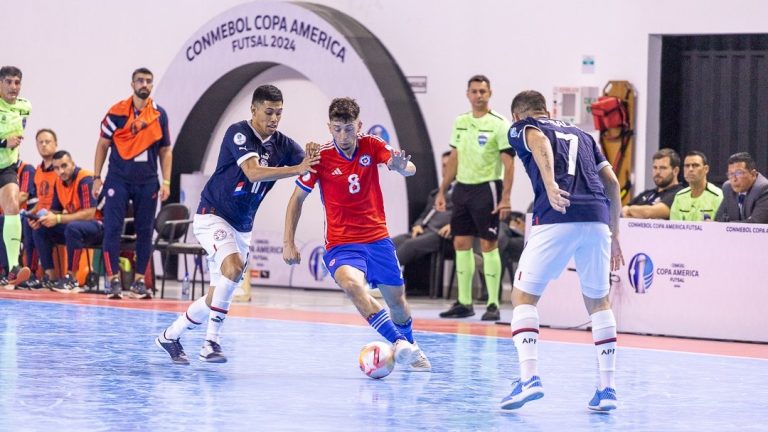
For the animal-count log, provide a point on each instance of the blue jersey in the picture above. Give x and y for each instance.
(229, 194)
(577, 162)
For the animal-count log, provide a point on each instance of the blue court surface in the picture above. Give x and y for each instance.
(86, 368)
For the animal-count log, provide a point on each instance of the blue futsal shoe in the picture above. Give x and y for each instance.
(522, 393)
(603, 400)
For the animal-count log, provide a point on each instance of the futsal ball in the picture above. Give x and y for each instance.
(377, 359)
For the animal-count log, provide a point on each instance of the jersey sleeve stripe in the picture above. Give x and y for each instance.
(245, 157)
(522, 135)
(603, 164)
(106, 131)
(303, 186)
(111, 123)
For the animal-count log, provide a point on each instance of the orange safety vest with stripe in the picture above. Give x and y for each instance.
(45, 180)
(139, 132)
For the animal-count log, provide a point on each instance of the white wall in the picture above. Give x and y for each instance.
(77, 55)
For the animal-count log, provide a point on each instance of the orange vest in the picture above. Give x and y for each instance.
(71, 196)
(23, 181)
(139, 133)
(44, 182)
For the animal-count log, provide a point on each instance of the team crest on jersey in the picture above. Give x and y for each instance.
(239, 138)
(219, 235)
(365, 160)
(482, 139)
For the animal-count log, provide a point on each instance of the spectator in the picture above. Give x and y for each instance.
(428, 230)
(745, 194)
(655, 203)
(512, 241)
(700, 200)
(73, 220)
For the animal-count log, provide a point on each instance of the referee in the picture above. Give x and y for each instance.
(479, 147)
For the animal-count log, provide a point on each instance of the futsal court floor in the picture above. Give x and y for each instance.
(84, 363)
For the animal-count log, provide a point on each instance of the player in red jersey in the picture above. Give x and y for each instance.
(359, 249)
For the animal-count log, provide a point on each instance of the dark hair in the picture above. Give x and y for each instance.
(446, 153)
(743, 157)
(528, 101)
(699, 154)
(514, 215)
(61, 153)
(6, 71)
(343, 109)
(480, 79)
(266, 92)
(674, 158)
(141, 70)
(50, 131)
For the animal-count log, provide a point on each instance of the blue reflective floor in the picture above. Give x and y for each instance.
(84, 368)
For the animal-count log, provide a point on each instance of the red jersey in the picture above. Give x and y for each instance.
(350, 191)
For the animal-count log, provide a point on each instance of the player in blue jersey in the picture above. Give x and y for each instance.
(575, 215)
(252, 157)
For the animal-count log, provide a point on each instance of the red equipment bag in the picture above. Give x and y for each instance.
(610, 112)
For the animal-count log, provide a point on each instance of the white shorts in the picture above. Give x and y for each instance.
(551, 247)
(220, 240)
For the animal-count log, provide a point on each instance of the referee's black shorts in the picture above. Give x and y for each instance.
(8, 175)
(472, 210)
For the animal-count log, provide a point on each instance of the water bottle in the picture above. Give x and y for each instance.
(185, 287)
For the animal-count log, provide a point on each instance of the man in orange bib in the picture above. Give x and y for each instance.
(136, 132)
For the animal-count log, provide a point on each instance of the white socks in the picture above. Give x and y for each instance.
(195, 315)
(222, 298)
(604, 335)
(525, 334)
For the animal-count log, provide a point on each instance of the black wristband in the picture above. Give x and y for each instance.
(3, 143)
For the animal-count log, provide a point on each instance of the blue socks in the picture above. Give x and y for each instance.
(382, 323)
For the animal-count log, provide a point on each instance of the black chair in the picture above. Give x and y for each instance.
(172, 226)
(437, 286)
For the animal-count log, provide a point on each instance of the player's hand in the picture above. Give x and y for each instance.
(165, 192)
(617, 258)
(445, 232)
(49, 220)
(96, 188)
(34, 223)
(14, 141)
(291, 255)
(416, 231)
(440, 202)
(311, 158)
(558, 198)
(398, 160)
(503, 209)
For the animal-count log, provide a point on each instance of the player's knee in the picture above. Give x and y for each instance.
(352, 285)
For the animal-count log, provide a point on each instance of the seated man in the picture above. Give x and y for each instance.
(745, 194)
(655, 203)
(73, 220)
(427, 231)
(512, 241)
(701, 199)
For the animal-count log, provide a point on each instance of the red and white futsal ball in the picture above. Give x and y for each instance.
(377, 359)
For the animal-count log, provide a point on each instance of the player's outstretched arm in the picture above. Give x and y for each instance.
(541, 149)
(401, 163)
(613, 191)
(292, 215)
(257, 173)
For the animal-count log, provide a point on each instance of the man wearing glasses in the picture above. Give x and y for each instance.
(745, 194)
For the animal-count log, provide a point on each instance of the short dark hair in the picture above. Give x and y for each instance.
(266, 92)
(480, 79)
(446, 153)
(674, 158)
(528, 101)
(50, 131)
(6, 71)
(699, 154)
(743, 157)
(141, 70)
(343, 109)
(61, 153)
